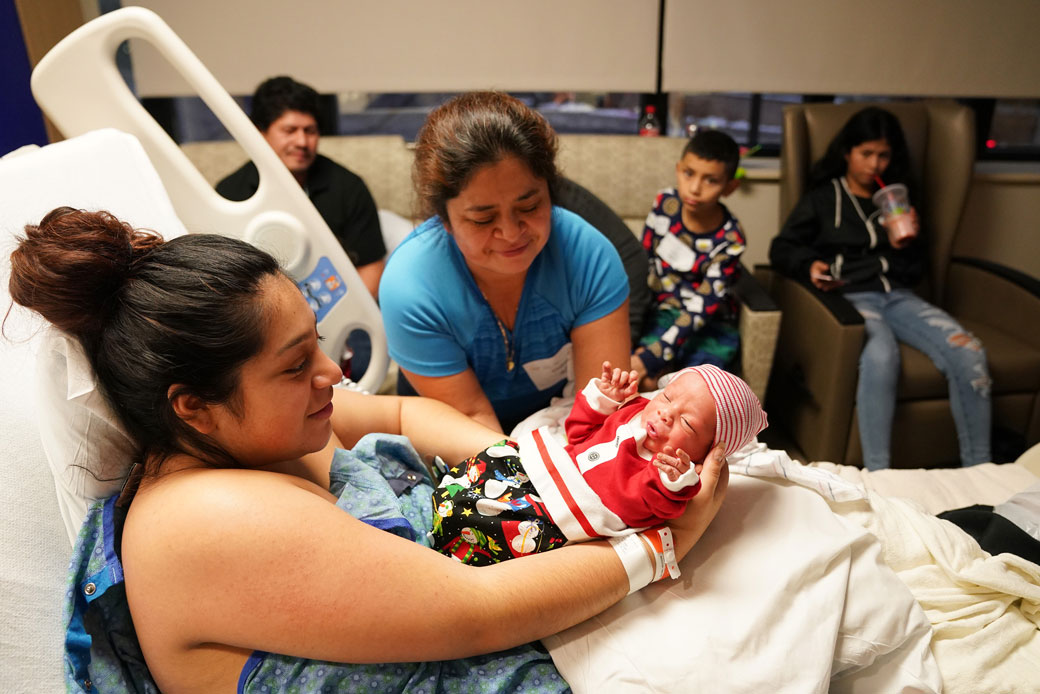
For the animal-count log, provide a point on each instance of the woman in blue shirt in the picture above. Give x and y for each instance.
(499, 298)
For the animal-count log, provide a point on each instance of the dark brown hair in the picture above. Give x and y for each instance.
(715, 145)
(150, 314)
(871, 123)
(277, 95)
(471, 131)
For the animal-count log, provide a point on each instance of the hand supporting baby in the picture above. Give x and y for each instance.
(672, 462)
(621, 385)
(616, 384)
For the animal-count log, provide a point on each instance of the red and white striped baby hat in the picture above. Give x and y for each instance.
(738, 413)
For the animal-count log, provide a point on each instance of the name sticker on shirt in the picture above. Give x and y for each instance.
(547, 372)
(676, 253)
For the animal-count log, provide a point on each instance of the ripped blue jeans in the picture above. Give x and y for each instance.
(902, 316)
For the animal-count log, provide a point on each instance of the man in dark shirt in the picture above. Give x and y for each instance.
(286, 112)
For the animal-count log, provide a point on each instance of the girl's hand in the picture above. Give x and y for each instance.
(902, 229)
(672, 463)
(701, 509)
(820, 276)
(616, 384)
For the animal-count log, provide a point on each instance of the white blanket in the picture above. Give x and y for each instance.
(838, 589)
(780, 595)
(984, 610)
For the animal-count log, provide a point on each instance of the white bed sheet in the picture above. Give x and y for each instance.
(780, 595)
(942, 489)
(760, 608)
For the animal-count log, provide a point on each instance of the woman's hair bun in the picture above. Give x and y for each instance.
(71, 267)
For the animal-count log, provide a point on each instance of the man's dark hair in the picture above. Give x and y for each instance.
(277, 95)
(715, 145)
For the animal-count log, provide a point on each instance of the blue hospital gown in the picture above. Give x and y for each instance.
(383, 482)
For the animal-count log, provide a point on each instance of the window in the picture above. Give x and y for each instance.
(1008, 128)
(1014, 130)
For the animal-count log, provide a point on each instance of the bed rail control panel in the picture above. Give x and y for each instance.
(323, 288)
(80, 88)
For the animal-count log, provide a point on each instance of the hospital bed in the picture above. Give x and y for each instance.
(808, 580)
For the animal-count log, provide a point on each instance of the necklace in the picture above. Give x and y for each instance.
(507, 343)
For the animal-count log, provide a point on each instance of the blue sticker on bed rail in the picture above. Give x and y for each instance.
(323, 288)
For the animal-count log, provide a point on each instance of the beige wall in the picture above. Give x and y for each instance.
(965, 48)
(412, 46)
(924, 47)
(756, 203)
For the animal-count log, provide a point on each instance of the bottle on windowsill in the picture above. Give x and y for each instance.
(649, 126)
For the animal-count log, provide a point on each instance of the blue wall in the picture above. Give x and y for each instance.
(21, 122)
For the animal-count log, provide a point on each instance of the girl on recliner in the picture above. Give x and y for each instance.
(837, 239)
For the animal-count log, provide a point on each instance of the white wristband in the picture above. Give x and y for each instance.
(632, 551)
(660, 540)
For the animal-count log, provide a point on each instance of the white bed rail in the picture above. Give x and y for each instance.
(79, 87)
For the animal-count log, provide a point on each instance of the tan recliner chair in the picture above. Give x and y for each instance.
(813, 388)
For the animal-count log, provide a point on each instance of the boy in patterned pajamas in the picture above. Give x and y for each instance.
(694, 245)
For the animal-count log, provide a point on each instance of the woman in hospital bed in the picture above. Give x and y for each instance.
(238, 568)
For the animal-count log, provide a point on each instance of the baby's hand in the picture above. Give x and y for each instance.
(616, 384)
(672, 463)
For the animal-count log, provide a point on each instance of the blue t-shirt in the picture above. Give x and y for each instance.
(439, 324)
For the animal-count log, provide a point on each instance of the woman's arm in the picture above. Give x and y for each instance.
(219, 559)
(462, 391)
(433, 427)
(370, 274)
(604, 339)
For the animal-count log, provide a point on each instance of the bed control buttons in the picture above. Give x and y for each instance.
(323, 287)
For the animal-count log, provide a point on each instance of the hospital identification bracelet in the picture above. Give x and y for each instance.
(632, 551)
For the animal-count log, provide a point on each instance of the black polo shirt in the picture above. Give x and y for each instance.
(341, 198)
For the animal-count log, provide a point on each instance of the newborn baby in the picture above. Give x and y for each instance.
(631, 462)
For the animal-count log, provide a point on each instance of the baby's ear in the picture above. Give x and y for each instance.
(733, 184)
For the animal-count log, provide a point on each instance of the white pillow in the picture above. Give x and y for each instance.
(394, 227)
(101, 170)
(88, 450)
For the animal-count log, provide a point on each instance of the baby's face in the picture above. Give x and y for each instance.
(681, 416)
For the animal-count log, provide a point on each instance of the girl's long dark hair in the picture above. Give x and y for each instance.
(872, 123)
(150, 314)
